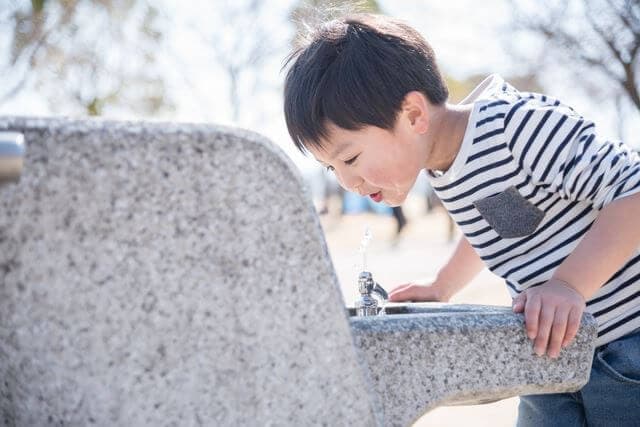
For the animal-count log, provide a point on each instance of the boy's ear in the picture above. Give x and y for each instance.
(415, 109)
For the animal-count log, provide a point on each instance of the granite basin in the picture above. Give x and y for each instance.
(393, 308)
(422, 355)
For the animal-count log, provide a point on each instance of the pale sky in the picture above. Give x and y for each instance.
(467, 36)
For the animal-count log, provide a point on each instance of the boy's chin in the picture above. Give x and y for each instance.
(393, 203)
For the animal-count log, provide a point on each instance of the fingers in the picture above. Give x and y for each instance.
(558, 331)
(398, 289)
(404, 292)
(531, 316)
(551, 328)
(414, 292)
(552, 316)
(519, 302)
(545, 323)
(573, 324)
(401, 287)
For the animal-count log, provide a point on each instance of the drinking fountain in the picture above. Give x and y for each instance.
(11, 156)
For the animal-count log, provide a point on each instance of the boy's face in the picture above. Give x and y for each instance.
(373, 162)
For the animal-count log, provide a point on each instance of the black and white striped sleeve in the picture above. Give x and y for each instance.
(563, 153)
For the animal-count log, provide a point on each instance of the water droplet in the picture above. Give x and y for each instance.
(383, 305)
(363, 246)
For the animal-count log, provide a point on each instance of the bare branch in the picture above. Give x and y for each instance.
(39, 43)
(630, 20)
(606, 38)
(71, 70)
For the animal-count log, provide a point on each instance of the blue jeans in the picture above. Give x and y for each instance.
(611, 398)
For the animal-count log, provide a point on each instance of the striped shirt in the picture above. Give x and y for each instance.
(528, 182)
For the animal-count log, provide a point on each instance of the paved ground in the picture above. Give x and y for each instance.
(417, 254)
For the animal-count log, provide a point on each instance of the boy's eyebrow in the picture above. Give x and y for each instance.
(338, 150)
(332, 154)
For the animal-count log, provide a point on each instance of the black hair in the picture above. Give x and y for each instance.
(355, 72)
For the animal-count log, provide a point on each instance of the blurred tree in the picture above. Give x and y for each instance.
(600, 35)
(459, 89)
(309, 13)
(84, 56)
(241, 38)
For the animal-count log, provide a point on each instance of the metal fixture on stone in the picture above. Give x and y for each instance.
(11, 156)
(367, 305)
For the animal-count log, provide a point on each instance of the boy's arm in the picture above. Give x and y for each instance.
(573, 162)
(459, 270)
(553, 310)
(611, 241)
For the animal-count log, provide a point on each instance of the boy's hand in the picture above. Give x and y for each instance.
(552, 314)
(418, 292)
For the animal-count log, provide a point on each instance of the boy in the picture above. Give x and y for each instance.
(540, 198)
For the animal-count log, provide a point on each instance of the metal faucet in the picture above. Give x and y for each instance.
(366, 305)
(11, 156)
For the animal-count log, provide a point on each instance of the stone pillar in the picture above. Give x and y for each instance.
(164, 274)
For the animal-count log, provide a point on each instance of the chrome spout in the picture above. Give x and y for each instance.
(367, 305)
(379, 290)
(11, 156)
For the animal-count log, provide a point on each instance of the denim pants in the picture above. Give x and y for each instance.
(611, 398)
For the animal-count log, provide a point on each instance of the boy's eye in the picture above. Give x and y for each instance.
(351, 160)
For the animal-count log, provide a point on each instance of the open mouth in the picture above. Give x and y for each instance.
(376, 197)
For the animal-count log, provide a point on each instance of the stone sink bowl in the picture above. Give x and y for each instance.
(422, 355)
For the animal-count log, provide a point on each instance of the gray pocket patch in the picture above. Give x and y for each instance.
(510, 214)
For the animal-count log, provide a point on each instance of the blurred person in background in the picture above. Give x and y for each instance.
(401, 220)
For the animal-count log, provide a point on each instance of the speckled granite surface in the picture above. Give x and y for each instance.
(441, 354)
(161, 275)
